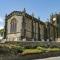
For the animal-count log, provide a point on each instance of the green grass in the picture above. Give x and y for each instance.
(40, 50)
(53, 49)
(31, 51)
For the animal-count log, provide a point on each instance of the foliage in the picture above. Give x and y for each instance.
(4, 49)
(1, 30)
(30, 47)
(42, 49)
(53, 49)
(17, 49)
(10, 48)
(53, 46)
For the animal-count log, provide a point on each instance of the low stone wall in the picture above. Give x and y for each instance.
(34, 43)
(38, 43)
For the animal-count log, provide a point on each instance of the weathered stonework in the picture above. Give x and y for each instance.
(28, 28)
(11, 36)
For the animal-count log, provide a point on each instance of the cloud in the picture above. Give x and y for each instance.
(1, 27)
(1, 22)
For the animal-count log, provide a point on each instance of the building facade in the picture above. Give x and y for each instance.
(51, 31)
(55, 20)
(20, 26)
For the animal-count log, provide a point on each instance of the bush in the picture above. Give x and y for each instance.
(4, 49)
(11, 49)
(53, 46)
(43, 45)
(30, 47)
(17, 49)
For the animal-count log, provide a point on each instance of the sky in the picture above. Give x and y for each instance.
(40, 8)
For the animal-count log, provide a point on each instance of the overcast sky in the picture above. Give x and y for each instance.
(41, 8)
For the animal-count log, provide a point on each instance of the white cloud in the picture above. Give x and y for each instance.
(1, 22)
(1, 27)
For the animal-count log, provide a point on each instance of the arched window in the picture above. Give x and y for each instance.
(13, 25)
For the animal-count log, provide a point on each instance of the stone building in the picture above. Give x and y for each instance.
(20, 26)
(51, 31)
(1, 34)
(55, 20)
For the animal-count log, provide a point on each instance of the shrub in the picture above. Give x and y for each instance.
(30, 47)
(10, 48)
(4, 49)
(53, 46)
(43, 45)
(17, 49)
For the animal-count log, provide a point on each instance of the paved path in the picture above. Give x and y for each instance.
(51, 58)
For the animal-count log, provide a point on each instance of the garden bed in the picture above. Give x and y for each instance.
(43, 55)
(23, 53)
(30, 56)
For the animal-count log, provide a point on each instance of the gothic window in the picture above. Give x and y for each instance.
(13, 25)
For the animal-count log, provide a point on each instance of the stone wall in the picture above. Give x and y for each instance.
(36, 29)
(12, 36)
(28, 27)
(39, 43)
